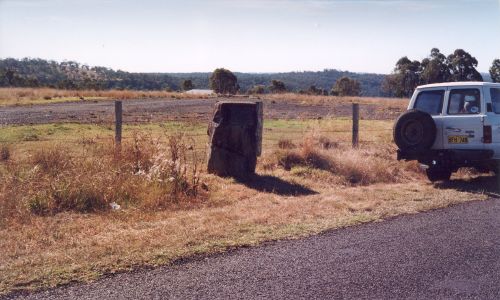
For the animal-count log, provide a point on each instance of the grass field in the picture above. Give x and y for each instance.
(58, 180)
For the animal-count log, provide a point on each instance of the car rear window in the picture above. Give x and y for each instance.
(430, 102)
(495, 100)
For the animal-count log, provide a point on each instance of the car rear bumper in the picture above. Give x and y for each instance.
(454, 157)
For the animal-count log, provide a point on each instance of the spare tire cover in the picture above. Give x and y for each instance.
(414, 131)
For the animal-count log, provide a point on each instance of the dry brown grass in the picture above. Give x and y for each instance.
(4, 152)
(27, 96)
(286, 144)
(368, 164)
(389, 103)
(146, 173)
(56, 225)
(45, 251)
(24, 96)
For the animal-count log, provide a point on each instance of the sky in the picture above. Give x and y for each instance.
(248, 35)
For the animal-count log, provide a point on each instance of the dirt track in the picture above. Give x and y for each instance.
(157, 110)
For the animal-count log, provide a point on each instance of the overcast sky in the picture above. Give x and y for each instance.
(248, 35)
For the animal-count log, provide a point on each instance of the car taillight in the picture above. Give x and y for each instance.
(487, 138)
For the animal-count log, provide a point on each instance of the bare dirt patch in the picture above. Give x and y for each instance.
(193, 110)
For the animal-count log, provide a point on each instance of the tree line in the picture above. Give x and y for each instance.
(73, 75)
(407, 74)
(223, 81)
(436, 68)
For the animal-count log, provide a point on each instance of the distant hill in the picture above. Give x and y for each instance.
(73, 75)
(295, 81)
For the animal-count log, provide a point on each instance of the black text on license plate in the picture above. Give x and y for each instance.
(458, 139)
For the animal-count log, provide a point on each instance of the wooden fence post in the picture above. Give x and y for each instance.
(355, 125)
(118, 124)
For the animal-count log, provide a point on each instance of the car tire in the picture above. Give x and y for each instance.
(414, 131)
(438, 174)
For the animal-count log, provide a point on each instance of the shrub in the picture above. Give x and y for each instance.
(257, 90)
(140, 152)
(288, 159)
(361, 166)
(51, 160)
(39, 204)
(346, 86)
(150, 174)
(277, 87)
(313, 157)
(326, 143)
(84, 198)
(67, 197)
(223, 81)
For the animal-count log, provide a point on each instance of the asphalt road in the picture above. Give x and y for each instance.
(448, 253)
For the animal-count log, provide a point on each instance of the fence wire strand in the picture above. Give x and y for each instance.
(267, 135)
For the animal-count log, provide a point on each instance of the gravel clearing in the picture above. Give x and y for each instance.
(158, 110)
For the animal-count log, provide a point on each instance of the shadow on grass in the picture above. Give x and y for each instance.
(275, 185)
(489, 185)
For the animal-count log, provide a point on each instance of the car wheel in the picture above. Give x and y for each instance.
(414, 131)
(438, 174)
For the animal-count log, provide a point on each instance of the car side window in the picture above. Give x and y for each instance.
(430, 102)
(464, 102)
(495, 100)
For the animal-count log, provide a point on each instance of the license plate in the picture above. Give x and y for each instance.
(458, 139)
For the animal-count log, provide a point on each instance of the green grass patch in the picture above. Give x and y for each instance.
(25, 138)
(75, 132)
(272, 128)
(325, 124)
(336, 129)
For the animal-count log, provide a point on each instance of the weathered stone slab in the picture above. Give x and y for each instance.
(235, 137)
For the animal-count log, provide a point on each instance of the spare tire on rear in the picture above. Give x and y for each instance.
(414, 131)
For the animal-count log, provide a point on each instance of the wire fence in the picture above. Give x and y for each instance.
(200, 141)
(197, 137)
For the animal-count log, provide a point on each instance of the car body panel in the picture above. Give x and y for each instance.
(492, 119)
(468, 126)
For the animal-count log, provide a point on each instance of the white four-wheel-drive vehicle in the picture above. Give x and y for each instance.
(451, 125)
